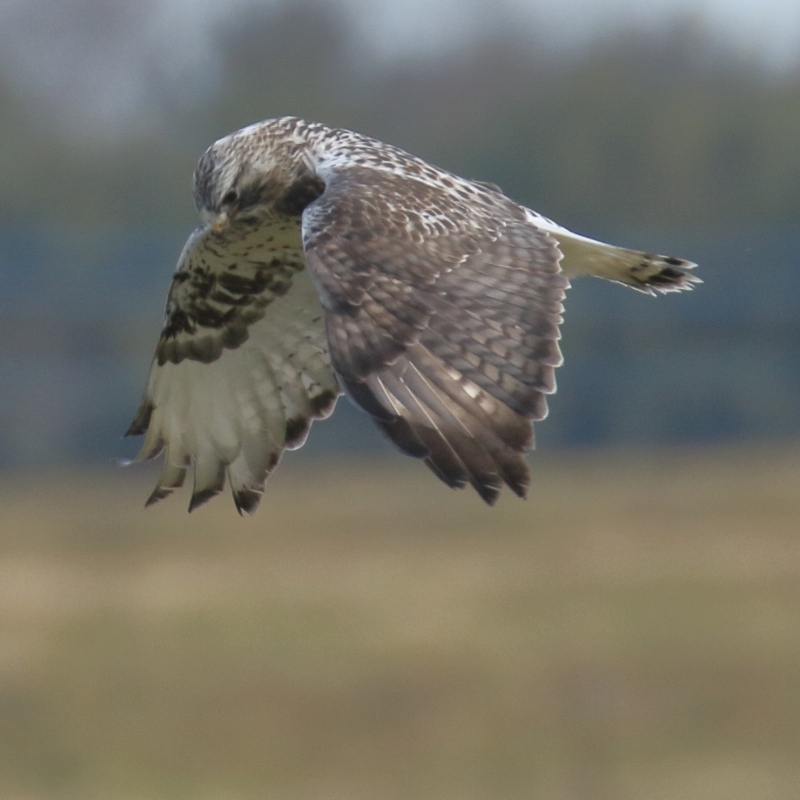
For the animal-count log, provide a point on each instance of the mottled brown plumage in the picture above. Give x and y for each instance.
(331, 262)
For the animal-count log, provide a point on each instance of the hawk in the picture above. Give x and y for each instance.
(330, 263)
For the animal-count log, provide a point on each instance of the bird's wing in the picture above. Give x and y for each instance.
(442, 305)
(241, 368)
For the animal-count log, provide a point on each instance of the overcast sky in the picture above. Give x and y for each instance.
(771, 27)
(105, 56)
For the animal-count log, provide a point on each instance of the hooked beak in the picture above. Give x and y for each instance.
(218, 222)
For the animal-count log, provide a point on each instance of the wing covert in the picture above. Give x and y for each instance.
(442, 306)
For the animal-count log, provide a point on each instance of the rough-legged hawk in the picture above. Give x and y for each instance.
(332, 263)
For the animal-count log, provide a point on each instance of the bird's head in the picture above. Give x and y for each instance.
(247, 173)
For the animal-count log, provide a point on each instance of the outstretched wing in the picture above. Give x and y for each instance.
(442, 306)
(241, 368)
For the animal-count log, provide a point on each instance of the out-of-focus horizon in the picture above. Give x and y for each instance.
(667, 133)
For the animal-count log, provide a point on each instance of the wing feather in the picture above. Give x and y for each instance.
(443, 306)
(242, 366)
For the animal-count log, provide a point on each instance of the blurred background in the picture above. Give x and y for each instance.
(632, 631)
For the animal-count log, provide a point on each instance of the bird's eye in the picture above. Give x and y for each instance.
(230, 197)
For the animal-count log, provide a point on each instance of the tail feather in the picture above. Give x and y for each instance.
(652, 274)
(646, 272)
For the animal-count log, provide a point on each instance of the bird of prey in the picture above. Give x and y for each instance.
(330, 263)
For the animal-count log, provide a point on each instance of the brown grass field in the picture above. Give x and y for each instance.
(631, 632)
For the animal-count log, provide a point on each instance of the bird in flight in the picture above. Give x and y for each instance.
(330, 263)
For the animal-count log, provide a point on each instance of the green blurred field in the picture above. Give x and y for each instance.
(632, 632)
